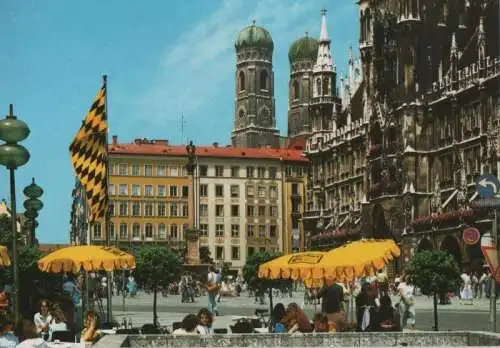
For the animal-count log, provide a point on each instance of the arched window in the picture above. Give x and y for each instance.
(326, 88)
(112, 231)
(264, 80)
(296, 90)
(97, 230)
(149, 231)
(318, 86)
(173, 231)
(241, 113)
(136, 231)
(162, 232)
(242, 81)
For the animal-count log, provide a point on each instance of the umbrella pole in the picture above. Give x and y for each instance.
(109, 299)
(270, 305)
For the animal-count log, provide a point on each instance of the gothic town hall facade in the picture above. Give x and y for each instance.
(396, 145)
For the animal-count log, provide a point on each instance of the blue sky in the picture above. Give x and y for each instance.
(162, 58)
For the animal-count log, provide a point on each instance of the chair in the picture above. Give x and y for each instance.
(63, 336)
(242, 327)
(127, 331)
(109, 326)
(150, 329)
(220, 331)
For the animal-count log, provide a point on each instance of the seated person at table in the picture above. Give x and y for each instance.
(31, 337)
(205, 320)
(277, 316)
(7, 337)
(42, 319)
(303, 322)
(320, 322)
(90, 333)
(387, 315)
(58, 322)
(188, 326)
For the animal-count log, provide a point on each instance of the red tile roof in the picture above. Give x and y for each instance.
(298, 142)
(162, 148)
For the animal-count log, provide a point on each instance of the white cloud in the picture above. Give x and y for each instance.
(199, 67)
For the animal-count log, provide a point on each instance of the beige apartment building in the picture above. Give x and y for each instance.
(247, 200)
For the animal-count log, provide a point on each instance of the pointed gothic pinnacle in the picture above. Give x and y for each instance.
(453, 47)
(481, 25)
(351, 57)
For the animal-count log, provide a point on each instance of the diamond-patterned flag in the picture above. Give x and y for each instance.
(89, 156)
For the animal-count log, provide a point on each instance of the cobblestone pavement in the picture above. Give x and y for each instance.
(455, 316)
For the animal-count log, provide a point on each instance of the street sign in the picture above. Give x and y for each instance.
(471, 236)
(489, 249)
(486, 203)
(487, 186)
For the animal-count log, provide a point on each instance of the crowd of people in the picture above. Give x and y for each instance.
(49, 324)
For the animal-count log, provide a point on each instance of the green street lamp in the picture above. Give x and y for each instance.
(32, 205)
(13, 156)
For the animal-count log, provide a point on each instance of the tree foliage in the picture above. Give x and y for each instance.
(6, 231)
(251, 270)
(28, 255)
(205, 255)
(434, 272)
(156, 267)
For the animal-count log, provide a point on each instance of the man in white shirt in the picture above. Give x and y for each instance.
(212, 290)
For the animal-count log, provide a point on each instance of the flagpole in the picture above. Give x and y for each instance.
(106, 212)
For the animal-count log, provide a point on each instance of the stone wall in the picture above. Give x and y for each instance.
(348, 339)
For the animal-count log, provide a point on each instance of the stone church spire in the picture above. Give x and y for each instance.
(324, 62)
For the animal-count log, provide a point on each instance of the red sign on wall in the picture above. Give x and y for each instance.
(471, 236)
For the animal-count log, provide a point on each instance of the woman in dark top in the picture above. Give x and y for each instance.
(366, 309)
(277, 318)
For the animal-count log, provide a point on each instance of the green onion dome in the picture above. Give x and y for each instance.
(254, 36)
(304, 48)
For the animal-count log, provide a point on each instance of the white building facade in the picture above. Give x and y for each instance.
(240, 207)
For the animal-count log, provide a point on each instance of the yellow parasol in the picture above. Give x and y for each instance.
(356, 259)
(291, 266)
(4, 257)
(88, 257)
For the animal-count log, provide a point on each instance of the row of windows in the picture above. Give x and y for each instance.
(263, 81)
(252, 211)
(235, 172)
(149, 190)
(164, 232)
(264, 231)
(262, 191)
(148, 230)
(124, 169)
(125, 208)
(235, 252)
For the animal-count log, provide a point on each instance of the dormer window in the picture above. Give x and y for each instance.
(325, 86)
(242, 81)
(296, 90)
(318, 86)
(264, 80)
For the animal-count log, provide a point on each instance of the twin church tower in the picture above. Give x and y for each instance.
(313, 99)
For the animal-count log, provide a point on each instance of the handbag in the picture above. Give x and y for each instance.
(212, 288)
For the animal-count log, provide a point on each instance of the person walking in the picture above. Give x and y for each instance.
(466, 294)
(212, 290)
(406, 304)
